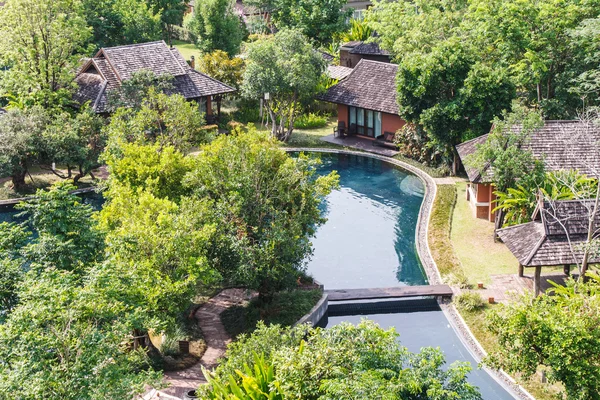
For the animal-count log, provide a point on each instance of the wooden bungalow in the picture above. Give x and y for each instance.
(366, 100)
(352, 52)
(562, 145)
(113, 65)
(554, 237)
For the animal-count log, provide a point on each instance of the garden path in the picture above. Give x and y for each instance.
(216, 338)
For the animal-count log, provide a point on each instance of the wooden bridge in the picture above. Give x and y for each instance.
(389, 293)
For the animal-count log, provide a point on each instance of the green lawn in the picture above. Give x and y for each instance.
(474, 245)
(187, 50)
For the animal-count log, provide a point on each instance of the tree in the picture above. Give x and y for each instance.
(75, 141)
(264, 205)
(220, 66)
(319, 20)
(20, 142)
(163, 119)
(132, 92)
(287, 68)
(70, 341)
(171, 14)
(120, 22)
(42, 43)
(344, 361)
(66, 233)
(558, 332)
(12, 239)
(217, 27)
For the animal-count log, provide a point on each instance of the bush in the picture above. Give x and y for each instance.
(469, 301)
(310, 121)
(413, 143)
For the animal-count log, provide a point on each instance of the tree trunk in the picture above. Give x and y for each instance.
(590, 236)
(498, 221)
(18, 180)
(80, 175)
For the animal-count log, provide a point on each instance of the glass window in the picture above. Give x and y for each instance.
(378, 124)
(352, 115)
(370, 123)
(360, 121)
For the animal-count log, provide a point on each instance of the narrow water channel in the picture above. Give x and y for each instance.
(368, 241)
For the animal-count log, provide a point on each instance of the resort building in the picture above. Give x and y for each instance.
(352, 52)
(111, 66)
(555, 237)
(366, 100)
(562, 145)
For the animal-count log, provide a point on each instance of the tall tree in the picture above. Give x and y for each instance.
(171, 14)
(119, 22)
(217, 27)
(287, 68)
(42, 43)
(319, 20)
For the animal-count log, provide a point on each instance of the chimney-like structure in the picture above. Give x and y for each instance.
(193, 62)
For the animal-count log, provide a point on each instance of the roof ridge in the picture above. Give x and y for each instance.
(535, 248)
(134, 45)
(376, 62)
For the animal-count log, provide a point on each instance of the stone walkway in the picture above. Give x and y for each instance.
(360, 143)
(216, 338)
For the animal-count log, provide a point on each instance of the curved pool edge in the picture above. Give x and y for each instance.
(456, 321)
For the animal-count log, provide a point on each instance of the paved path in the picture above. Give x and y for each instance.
(216, 338)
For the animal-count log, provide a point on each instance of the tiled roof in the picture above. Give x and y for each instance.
(370, 85)
(563, 145)
(369, 49)
(326, 56)
(338, 72)
(111, 66)
(544, 242)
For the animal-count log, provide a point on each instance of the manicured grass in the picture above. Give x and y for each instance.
(286, 308)
(187, 50)
(439, 234)
(474, 244)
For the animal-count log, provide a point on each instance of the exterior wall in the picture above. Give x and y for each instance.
(350, 60)
(391, 123)
(480, 197)
(343, 114)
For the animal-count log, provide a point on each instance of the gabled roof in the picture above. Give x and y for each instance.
(370, 85)
(111, 66)
(545, 242)
(563, 145)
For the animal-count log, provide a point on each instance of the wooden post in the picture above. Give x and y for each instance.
(567, 270)
(521, 270)
(537, 281)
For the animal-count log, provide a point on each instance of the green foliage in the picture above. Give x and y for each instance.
(319, 20)
(286, 309)
(359, 31)
(21, 142)
(310, 121)
(265, 206)
(163, 119)
(345, 361)
(67, 237)
(121, 22)
(220, 66)
(140, 86)
(12, 239)
(257, 383)
(171, 14)
(42, 43)
(518, 203)
(503, 152)
(217, 27)
(469, 301)
(285, 66)
(413, 142)
(559, 332)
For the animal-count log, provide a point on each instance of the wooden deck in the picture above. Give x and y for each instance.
(389, 293)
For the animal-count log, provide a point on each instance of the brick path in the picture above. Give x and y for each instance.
(216, 338)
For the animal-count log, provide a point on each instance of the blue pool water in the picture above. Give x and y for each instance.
(369, 241)
(369, 238)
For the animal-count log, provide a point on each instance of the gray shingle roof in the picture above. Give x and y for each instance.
(369, 49)
(563, 145)
(338, 72)
(371, 85)
(545, 242)
(111, 66)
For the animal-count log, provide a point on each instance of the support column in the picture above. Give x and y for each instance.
(521, 270)
(537, 287)
(567, 270)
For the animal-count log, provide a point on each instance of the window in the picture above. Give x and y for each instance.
(366, 122)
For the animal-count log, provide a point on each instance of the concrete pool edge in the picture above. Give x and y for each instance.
(429, 265)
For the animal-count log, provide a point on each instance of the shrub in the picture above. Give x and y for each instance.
(310, 121)
(413, 143)
(469, 301)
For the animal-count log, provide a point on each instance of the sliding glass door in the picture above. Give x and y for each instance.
(366, 122)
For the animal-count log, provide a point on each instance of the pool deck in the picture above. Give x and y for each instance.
(359, 143)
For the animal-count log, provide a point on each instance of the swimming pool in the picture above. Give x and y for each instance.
(369, 241)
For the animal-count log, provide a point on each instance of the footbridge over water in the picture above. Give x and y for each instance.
(443, 291)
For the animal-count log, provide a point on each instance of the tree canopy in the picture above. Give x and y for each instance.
(286, 67)
(344, 361)
(217, 27)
